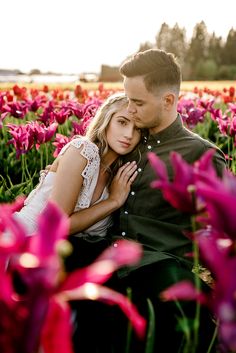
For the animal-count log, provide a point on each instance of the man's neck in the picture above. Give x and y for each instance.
(166, 123)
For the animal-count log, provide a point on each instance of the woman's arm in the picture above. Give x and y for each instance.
(68, 179)
(119, 191)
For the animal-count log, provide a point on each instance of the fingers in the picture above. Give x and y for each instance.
(121, 184)
(121, 169)
(127, 169)
(132, 178)
(127, 172)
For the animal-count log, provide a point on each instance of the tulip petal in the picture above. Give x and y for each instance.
(53, 225)
(183, 290)
(93, 291)
(56, 335)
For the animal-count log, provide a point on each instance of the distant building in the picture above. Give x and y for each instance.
(88, 77)
(7, 75)
(8, 72)
(110, 74)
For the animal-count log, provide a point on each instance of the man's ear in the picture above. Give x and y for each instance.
(169, 100)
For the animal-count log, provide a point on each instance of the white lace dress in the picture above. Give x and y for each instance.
(37, 199)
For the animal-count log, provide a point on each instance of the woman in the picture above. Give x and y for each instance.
(79, 178)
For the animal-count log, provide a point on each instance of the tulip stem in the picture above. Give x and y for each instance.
(197, 285)
(129, 329)
(230, 163)
(45, 155)
(41, 160)
(26, 176)
(213, 338)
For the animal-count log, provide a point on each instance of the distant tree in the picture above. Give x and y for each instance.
(198, 48)
(205, 56)
(207, 69)
(178, 44)
(145, 46)
(215, 48)
(163, 37)
(230, 48)
(226, 72)
(35, 72)
(173, 40)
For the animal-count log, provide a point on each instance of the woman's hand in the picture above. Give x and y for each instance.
(121, 183)
(119, 191)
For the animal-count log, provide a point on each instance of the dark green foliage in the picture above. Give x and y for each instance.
(203, 57)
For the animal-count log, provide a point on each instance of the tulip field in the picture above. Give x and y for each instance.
(35, 123)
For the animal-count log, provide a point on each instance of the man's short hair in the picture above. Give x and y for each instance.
(159, 68)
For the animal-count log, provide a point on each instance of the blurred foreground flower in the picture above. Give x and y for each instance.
(35, 291)
(216, 239)
(221, 301)
(181, 192)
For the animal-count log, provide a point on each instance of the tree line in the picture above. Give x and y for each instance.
(204, 57)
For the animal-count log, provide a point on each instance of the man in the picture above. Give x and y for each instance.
(152, 82)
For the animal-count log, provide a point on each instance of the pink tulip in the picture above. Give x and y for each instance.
(33, 285)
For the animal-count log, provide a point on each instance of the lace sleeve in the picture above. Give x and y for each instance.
(89, 151)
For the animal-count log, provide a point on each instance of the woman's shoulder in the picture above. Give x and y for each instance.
(81, 140)
(88, 149)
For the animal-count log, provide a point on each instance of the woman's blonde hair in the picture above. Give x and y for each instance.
(97, 128)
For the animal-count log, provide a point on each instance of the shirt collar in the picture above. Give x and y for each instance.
(168, 132)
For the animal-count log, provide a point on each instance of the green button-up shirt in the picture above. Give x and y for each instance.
(147, 217)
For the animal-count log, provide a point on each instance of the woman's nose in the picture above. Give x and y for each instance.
(129, 132)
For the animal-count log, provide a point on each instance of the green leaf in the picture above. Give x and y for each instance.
(151, 328)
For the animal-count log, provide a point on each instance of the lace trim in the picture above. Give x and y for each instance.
(89, 151)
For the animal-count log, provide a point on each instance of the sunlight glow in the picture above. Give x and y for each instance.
(91, 291)
(79, 36)
(29, 260)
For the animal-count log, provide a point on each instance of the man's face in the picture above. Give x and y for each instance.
(146, 107)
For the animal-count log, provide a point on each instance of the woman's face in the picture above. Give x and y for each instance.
(122, 133)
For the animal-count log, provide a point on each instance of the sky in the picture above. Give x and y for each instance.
(75, 36)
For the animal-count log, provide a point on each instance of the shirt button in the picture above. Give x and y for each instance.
(132, 193)
(149, 147)
(158, 141)
(115, 245)
(139, 170)
(123, 233)
(126, 212)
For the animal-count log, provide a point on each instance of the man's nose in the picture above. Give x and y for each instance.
(131, 108)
